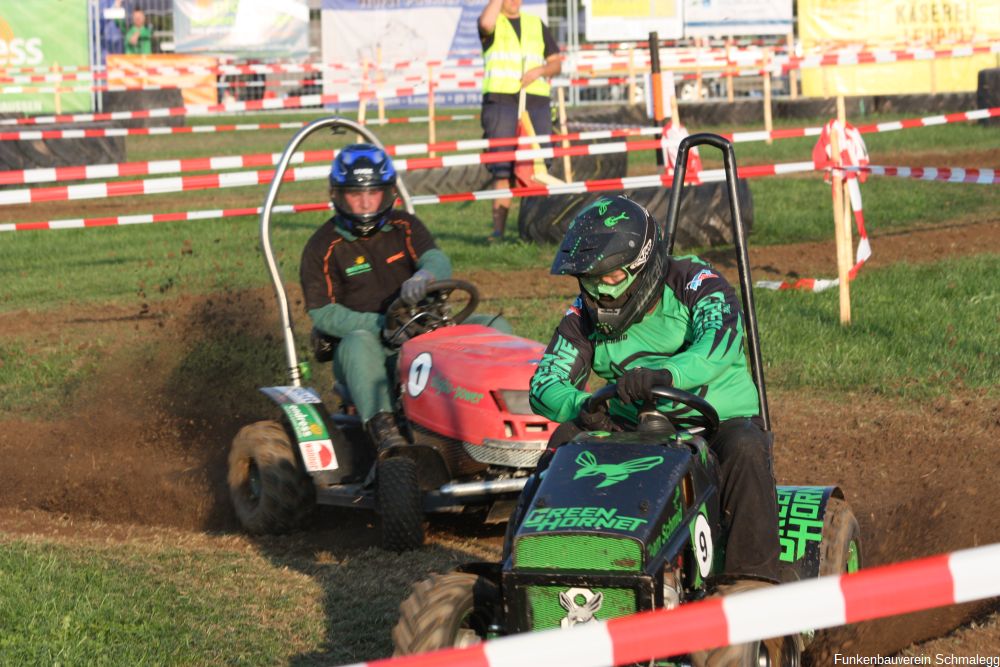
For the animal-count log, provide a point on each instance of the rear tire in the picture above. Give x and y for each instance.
(840, 552)
(397, 494)
(449, 610)
(269, 490)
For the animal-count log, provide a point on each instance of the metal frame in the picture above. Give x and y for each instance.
(332, 122)
(739, 239)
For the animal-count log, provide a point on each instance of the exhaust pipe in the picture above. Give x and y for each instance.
(497, 486)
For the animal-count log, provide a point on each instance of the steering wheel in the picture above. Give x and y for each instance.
(432, 312)
(707, 417)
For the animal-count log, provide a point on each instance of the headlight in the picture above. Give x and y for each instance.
(514, 401)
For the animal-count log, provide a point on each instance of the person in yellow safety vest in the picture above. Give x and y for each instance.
(518, 52)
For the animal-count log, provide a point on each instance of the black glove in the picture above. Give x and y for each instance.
(595, 418)
(637, 384)
(415, 288)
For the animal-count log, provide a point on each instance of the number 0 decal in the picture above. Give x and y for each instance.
(703, 545)
(420, 372)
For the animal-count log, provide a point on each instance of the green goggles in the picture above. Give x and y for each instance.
(608, 285)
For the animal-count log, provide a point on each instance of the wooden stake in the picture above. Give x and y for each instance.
(567, 167)
(362, 110)
(730, 71)
(379, 80)
(631, 75)
(697, 71)
(793, 73)
(58, 93)
(841, 215)
(768, 125)
(431, 127)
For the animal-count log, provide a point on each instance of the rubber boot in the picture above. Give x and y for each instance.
(384, 433)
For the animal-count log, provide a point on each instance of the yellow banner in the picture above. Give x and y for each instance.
(633, 9)
(133, 70)
(931, 24)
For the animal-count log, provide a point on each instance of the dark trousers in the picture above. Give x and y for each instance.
(747, 496)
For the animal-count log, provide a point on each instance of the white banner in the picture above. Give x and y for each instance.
(723, 18)
(632, 20)
(392, 31)
(246, 27)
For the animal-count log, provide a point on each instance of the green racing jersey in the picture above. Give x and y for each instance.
(695, 331)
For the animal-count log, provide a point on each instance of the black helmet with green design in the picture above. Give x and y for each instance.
(613, 248)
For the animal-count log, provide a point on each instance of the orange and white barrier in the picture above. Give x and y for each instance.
(947, 174)
(788, 609)
(631, 182)
(35, 135)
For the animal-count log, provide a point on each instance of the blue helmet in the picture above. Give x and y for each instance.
(362, 169)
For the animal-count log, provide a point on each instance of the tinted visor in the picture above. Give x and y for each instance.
(609, 285)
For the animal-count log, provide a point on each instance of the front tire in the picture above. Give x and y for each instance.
(449, 610)
(840, 552)
(397, 495)
(269, 490)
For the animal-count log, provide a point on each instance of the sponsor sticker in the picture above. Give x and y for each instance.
(318, 455)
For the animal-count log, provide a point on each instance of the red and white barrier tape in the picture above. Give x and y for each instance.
(115, 170)
(247, 178)
(948, 174)
(225, 107)
(35, 135)
(788, 609)
(632, 182)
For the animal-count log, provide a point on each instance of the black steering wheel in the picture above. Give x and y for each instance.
(707, 417)
(432, 312)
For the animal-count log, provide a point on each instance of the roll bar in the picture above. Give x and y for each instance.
(739, 238)
(334, 123)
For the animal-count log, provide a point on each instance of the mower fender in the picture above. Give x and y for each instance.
(801, 511)
(482, 569)
(323, 451)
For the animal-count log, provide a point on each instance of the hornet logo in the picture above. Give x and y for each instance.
(613, 472)
(701, 275)
(580, 614)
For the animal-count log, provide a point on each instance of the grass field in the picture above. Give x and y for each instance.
(920, 331)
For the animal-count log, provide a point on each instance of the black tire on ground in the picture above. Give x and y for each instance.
(704, 216)
(446, 610)
(447, 180)
(397, 497)
(988, 93)
(840, 551)
(270, 491)
(591, 167)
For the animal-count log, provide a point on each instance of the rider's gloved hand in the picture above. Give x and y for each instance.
(596, 417)
(637, 384)
(415, 287)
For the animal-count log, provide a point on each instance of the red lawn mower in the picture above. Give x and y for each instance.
(462, 401)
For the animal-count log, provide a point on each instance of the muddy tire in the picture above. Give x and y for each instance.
(840, 551)
(270, 491)
(776, 652)
(446, 610)
(397, 496)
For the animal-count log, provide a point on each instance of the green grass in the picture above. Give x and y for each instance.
(164, 603)
(85, 605)
(917, 331)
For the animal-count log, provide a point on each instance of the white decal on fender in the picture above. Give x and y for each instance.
(703, 547)
(420, 373)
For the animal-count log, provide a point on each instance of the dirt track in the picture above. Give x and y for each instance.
(138, 448)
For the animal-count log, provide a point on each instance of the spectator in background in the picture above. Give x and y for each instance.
(138, 39)
(112, 38)
(518, 52)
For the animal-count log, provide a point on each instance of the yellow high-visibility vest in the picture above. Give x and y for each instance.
(508, 58)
